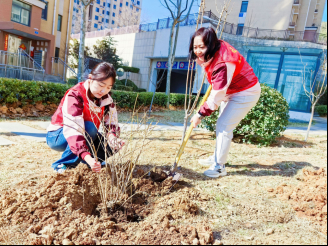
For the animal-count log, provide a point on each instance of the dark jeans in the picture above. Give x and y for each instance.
(58, 142)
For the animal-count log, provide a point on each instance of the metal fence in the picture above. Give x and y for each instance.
(209, 17)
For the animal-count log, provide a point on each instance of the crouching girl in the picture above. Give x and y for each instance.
(75, 125)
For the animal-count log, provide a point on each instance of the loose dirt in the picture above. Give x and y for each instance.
(309, 198)
(67, 209)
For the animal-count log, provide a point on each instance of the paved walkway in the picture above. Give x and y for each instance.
(320, 128)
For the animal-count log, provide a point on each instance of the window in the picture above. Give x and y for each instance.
(113, 22)
(127, 3)
(98, 1)
(103, 12)
(240, 29)
(138, 2)
(102, 19)
(44, 14)
(121, 5)
(107, 13)
(244, 6)
(96, 17)
(108, 5)
(96, 25)
(21, 13)
(113, 14)
(78, 2)
(57, 50)
(107, 20)
(104, 4)
(114, 6)
(97, 10)
(59, 23)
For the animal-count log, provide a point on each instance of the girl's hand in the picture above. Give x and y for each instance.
(196, 120)
(95, 166)
(115, 143)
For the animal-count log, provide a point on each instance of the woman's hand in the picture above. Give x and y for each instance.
(95, 166)
(115, 143)
(196, 120)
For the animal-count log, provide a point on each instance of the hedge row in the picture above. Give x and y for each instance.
(130, 69)
(13, 90)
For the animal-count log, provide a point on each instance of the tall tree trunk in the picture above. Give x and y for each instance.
(169, 68)
(310, 123)
(82, 45)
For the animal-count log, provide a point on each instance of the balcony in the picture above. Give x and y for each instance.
(297, 2)
(292, 25)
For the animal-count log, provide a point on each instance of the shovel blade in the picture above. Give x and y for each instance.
(176, 176)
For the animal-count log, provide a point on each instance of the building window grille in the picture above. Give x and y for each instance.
(244, 7)
(96, 25)
(21, 13)
(44, 14)
(59, 23)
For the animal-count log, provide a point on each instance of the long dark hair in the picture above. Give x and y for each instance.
(210, 40)
(103, 71)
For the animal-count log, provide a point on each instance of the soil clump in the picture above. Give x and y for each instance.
(309, 198)
(67, 209)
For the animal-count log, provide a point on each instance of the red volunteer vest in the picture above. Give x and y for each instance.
(243, 77)
(88, 115)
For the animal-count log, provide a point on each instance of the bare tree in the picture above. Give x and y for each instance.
(128, 18)
(177, 8)
(315, 88)
(85, 4)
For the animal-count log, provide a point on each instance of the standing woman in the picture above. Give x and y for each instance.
(74, 127)
(235, 89)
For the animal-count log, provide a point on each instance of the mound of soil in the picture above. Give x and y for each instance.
(309, 198)
(67, 209)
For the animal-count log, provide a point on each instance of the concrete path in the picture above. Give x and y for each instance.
(320, 128)
(5, 142)
(24, 131)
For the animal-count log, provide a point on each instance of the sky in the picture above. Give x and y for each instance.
(152, 10)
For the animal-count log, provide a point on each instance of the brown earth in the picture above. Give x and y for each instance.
(67, 209)
(309, 198)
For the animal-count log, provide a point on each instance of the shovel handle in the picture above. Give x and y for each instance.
(191, 128)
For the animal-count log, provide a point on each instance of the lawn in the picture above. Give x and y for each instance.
(237, 208)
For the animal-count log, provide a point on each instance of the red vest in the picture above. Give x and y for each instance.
(244, 76)
(88, 115)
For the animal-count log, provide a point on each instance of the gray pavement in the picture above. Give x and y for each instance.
(320, 128)
(24, 131)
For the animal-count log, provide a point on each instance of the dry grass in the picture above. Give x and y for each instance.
(240, 209)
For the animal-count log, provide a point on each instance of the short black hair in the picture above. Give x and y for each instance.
(210, 40)
(103, 71)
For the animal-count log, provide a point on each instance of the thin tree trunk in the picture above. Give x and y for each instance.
(310, 123)
(168, 80)
(82, 45)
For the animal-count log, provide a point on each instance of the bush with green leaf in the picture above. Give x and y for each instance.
(177, 99)
(126, 99)
(264, 123)
(321, 110)
(123, 88)
(130, 69)
(14, 90)
(72, 81)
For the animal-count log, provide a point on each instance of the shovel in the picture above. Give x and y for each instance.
(173, 171)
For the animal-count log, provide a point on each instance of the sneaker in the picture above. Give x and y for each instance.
(207, 162)
(61, 169)
(216, 171)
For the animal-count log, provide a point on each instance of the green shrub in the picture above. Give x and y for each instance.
(141, 90)
(179, 99)
(123, 88)
(264, 123)
(321, 110)
(323, 99)
(126, 99)
(130, 69)
(14, 90)
(72, 81)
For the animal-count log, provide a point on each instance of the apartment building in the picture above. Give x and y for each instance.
(41, 28)
(292, 15)
(106, 14)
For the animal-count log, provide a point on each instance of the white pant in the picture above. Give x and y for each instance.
(233, 110)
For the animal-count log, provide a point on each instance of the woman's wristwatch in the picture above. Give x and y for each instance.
(200, 116)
